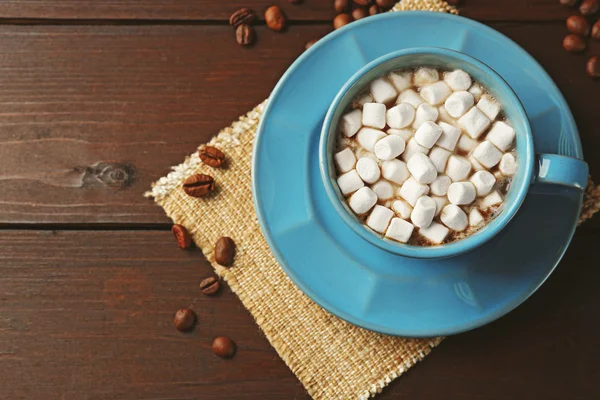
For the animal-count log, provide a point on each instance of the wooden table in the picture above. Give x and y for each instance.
(99, 98)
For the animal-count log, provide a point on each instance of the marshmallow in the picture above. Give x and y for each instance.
(350, 123)
(360, 101)
(403, 133)
(389, 147)
(489, 107)
(367, 137)
(425, 112)
(449, 137)
(459, 103)
(436, 93)
(412, 147)
(399, 230)
(475, 217)
(439, 158)
(421, 168)
(501, 135)
(411, 97)
(474, 121)
(360, 153)
(458, 79)
(349, 182)
(440, 202)
(454, 218)
(411, 190)
(440, 186)
(368, 170)
(427, 134)
(487, 154)
(423, 212)
(508, 164)
(461, 193)
(383, 189)
(444, 116)
(400, 116)
(383, 91)
(362, 201)
(395, 171)
(466, 144)
(345, 160)
(401, 80)
(402, 209)
(476, 165)
(380, 218)
(476, 91)
(436, 233)
(374, 115)
(426, 75)
(490, 200)
(483, 181)
(458, 168)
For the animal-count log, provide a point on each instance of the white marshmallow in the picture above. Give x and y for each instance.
(401, 80)
(458, 79)
(461, 193)
(476, 165)
(459, 103)
(427, 134)
(458, 168)
(399, 230)
(374, 115)
(501, 135)
(389, 147)
(402, 209)
(465, 143)
(350, 123)
(439, 158)
(474, 121)
(436, 93)
(367, 137)
(449, 137)
(440, 186)
(475, 217)
(435, 232)
(360, 101)
(454, 218)
(363, 200)
(444, 116)
(412, 148)
(349, 182)
(411, 190)
(489, 107)
(508, 164)
(421, 168)
(345, 160)
(400, 116)
(383, 189)
(423, 212)
(403, 133)
(380, 218)
(492, 199)
(426, 75)
(411, 97)
(383, 91)
(360, 153)
(395, 171)
(487, 154)
(425, 112)
(476, 91)
(368, 170)
(440, 203)
(483, 181)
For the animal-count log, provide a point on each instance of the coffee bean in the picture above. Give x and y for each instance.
(184, 319)
(198, 185)
(210, 286)
(589, 7)
(569, 3)
(309, 44)
(223, 347)
(374, 9)
(341, 20)
(183, 237)
(573, 43)
(360, 13)
(578, 25)
(385, 4)
(596, 30)
(211, 155)
(593, 67)
(363, 3)
(224, 251)
(244, 35)
(242, 16)
(275, 18)
(341, 5)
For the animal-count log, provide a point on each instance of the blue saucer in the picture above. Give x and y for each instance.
(359, 282)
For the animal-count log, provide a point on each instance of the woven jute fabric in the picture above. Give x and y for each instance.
(332, 358)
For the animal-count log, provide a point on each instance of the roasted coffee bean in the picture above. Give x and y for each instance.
(341, 20)
(184, 319)
(210, 286)
(244, 35)
(341, 5)
(578, 25)
(374, 9)
(309, 44)
(573, 43)
(224, 251)
(569, 3)
(275, 18)
(198, 185)
(242, 16)
(589, 7)
(223, 347)
(211, 155)
(385, 4)
(360, 13)
(363, 3)
(593, 67)
(183, 237)
(596, 30)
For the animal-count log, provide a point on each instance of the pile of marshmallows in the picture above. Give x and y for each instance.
(427, 130)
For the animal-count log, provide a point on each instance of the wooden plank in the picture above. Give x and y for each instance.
(88, 315)
(91, 115)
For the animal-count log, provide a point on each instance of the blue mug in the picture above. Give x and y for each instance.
(532, 168)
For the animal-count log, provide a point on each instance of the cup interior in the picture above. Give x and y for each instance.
(442, 59)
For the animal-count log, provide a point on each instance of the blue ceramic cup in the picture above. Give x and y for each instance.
(532, 168)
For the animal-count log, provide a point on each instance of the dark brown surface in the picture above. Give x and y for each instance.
(94, 109)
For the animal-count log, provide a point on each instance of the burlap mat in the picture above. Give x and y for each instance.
(332, 358)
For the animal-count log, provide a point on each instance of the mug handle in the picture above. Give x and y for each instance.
(561, 170)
